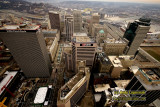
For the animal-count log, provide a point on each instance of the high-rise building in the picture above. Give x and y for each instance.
(148, 80)
(68, 56)
(54, 18)
(27, 45)
(83, 48)
(74, 89)
(114, 47)
(68, 27)
(52, 36)
(95, 19)
(117, 66)
(77, 21)
(135, 33)
(104, 63)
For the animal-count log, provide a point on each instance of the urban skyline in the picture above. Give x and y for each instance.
(79, 53)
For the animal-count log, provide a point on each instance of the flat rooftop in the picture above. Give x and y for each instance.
(82, 39)
(112, 40)
(101, 87)
(50, 31)
(19, 27)
(79, 34)
(55, 12)
(151, 74)
(122, 83)
(150, 79)
(115, 61)
(98, 25)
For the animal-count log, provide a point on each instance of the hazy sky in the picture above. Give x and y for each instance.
(137, 1)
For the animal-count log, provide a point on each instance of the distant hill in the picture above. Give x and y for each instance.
(44, 1)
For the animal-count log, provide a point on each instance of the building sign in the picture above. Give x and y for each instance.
(86, 44)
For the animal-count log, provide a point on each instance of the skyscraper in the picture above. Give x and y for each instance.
(75, 88)
(135, 33)
(83, 48)
(94, 20)
(77, 21)
(148, 80)
(27, 45)
(68, 27)
(54, 18)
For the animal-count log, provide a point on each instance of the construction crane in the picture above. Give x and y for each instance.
(2, 103)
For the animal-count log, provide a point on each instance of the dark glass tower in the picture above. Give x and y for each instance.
(135, 33)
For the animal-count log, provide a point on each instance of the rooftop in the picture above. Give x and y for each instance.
(115, 61)
(83, 39)
(152, 75)
(19, 27)
(55, 12)
(101, 87)
(112, 40)
(79, 34)
(101, 31)
(50, 31)
(71, 85)
(149, 78)
(104, 59)
(41, 95)
(122, 83)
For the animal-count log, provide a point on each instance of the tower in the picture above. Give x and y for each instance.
(77, 21)
(147, 80)
(28, 48)
(54, 18)
(83, 49)
(135, 33)
(68, 27)
(94, 20)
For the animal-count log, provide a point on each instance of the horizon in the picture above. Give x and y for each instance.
(154, 2)
(131, 1)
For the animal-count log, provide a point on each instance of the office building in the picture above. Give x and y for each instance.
(74, 89)
(97, 28)
(68, 56)
(52, 45)
(117, 66)
(148, 80)
(103, 62)
(77, 20)
(83, 48)
(68, 27)
(27, 45)
(54, 18)
(113, 46)
(94, 20)
(135, 33)
(51, 33)
(52, 36)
